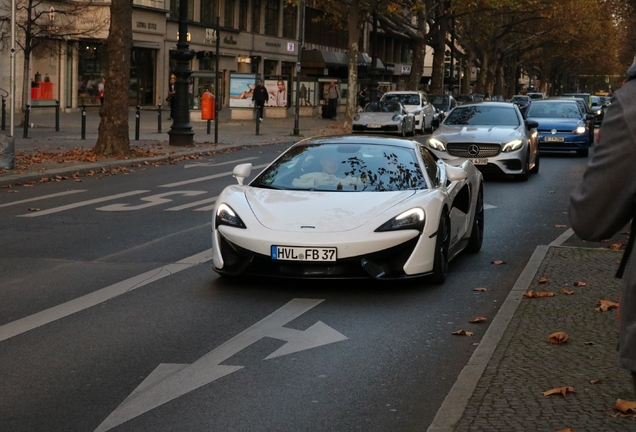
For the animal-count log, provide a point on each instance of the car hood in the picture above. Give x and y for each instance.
(376, 116)
(489, 134)
(300, 211)
(556, 123)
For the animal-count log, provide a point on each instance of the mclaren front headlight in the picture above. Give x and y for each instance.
(436, 144)
(410, 219)
(225, 215)
(512, 145)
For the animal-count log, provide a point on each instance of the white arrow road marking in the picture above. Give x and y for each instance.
(220, 163)
(151, 201)
(54, 195)
(210, 177)
(169, 381)
(83, 203)
(488, 207)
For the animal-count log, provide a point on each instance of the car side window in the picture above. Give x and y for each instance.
(431, 166)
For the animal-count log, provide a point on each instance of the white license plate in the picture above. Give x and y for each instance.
(291, 253)
(374, 126)
(480, 161)
(554, 139)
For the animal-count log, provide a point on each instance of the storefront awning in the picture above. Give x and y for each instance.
(323, 59)
(365, 60)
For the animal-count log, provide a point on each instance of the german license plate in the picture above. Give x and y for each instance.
(292, 253)
(554, 139)
(483, 161)
(374, 126)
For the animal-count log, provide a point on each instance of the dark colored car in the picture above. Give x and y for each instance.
(597, 110)
(443, 103)
(522, 101)
(464, 98)
(563, 125)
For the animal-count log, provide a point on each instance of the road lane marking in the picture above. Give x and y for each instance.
(151, 201)
(489, 206)
(83, 203)
(55, 313)
(170, 381)
(210, 177)
(55, 195)
(193, 204)
(206, 164)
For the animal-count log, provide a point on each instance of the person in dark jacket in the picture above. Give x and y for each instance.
(260, 96)
(605, 202)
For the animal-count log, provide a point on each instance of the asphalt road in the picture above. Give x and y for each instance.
(107, 286)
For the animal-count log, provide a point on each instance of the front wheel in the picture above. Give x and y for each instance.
(477, 233)
(537, 161)
(442, 244)
(403, 128)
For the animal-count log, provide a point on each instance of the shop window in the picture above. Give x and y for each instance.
(272, 13)
(269, 67)
(243, 8)
(89, 68)
(230, 13)
(256, 16)
(174, 9)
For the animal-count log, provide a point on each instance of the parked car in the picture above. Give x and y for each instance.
(493, 135)
(563, 125)
(597, 110)
(417, 103)
(349, 207)
(384, 117)
(443, 103)
(536, 95)
(464, 98)
(522, 101)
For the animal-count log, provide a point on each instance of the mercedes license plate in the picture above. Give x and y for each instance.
(554, 139)
(294, 253)
(482, 161)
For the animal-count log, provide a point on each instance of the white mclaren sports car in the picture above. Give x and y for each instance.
(349, 207)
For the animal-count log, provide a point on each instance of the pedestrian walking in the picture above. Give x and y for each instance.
(362, 97)
(333, 95)
(172, 92)
(605, 202)
(259, 97)
(100, 89)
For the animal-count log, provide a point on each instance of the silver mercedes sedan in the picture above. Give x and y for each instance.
(493, 135)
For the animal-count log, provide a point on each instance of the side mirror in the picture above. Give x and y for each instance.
(532, 124)
(241, 172)
(455, 173)
(589, 116)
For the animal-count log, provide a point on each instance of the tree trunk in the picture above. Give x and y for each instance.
(113, 138)
(354, 52)
(417, 67)
(468, 68)
(439, 46)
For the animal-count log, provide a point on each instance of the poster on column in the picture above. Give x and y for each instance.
(277, 89)
(241, 90)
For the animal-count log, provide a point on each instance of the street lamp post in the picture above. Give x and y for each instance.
(181, 133)
(301, 30)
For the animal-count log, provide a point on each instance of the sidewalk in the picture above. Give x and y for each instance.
(501, 389)
(152, 145)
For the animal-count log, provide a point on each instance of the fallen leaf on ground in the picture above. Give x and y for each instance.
(566, 430)
(567, 292)
(558, 338)
(498, 262)
(588, 343)
(626, 407)
(478, 320)
(559, 226)
(550, 192)
(33, 209)
(542, 280)
(480, 289)
(616, 246)
(579, 284)
(531, 294)
(462, 333)
(596, 381)
(605, 305)
(558, 390)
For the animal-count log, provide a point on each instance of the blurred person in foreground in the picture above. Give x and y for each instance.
(605, 202)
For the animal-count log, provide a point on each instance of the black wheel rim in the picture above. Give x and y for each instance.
(443, 231)
(479, 218)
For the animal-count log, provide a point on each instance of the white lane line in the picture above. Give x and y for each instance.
(193, 204)
(55, 313)
(220, 163)
(82, 204)
(210, 177)
(68, 192)
(562, 238)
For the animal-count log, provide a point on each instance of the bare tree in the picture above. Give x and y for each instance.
(113, 138)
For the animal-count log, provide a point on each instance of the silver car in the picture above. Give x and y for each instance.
(385, 117)
(416, 102)
(493, 135)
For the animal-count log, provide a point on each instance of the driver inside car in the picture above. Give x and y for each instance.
(326, 177)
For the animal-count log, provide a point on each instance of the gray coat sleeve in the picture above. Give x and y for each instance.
(605, 201)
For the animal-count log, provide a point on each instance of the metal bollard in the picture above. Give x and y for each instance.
(83, 121)
(137, 119)
(25, 133)
(258, 120)
(159, 118)
(209, 124)
(57, 115)
(4, 111)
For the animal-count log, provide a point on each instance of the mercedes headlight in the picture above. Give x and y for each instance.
(410, 219)
(226, 216)
(512, 145)
(436, 144)
(579, 130)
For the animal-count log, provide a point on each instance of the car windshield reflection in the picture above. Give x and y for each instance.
(383, 107)
(554, 110)
(482, 115)
(344, 167)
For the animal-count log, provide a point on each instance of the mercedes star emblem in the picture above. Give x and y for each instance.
(473, 150)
